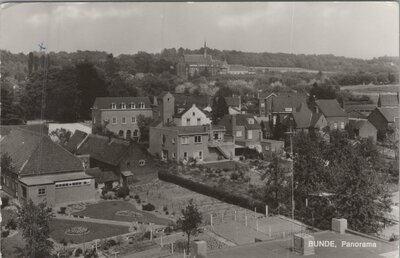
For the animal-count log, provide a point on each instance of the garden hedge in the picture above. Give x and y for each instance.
(242, 201)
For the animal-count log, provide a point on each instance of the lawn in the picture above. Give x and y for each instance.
(12, 246)
(96, 231)
(107, 209)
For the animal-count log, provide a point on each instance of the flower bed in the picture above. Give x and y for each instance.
(77, 231)
(128, 213)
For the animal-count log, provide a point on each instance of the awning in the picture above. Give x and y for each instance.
(127, 173)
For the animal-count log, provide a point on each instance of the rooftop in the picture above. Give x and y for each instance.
(287, 102)
(388, 100)
(50, 179)
(330, 108)
(105, 102)
(36, 154)
(241, 120)
(390, 113)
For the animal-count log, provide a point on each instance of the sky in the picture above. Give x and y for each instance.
(352, 29)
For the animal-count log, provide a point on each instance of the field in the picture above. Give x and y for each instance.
(108, 210)
(96, 231)
(371, 88)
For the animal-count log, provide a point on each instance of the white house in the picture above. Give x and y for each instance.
(191, 116)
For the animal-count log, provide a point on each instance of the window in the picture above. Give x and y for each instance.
(218, 136)
(341, 125)
(24, 194)
(184, 140)
(123, 106)
(173, 155)
(128, 164)
(133, 106)
(173, 140)
(121, 133)
(42, 191)
(187, 120)
(164, 139)
(134, 120)
(124, 120)
(113, 106)
(114, 120)
(142, 162)
(141, 105)
(197, 139)
(135, 133)
(238, 133)
(198, 121)
(194, 113)
(200, 155)
(335, 125)
(185, 155)
(262, 104)
(249, 134)
(267, 147)
(128, 134)
(289, 109)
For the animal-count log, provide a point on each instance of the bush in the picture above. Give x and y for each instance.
(5, 200)
(109, 195)
(137, 197)
(165, 208)
(64, 242)
(78, 252)
(111, 242)
(234, 176)
(5, 233)
(148, 207)
(11, 224)
(122, 192)
(146, 235)
(62, 210)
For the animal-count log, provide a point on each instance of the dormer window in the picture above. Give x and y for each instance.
(141, 105)
(113, 106)
(123, 106)
(133, 106)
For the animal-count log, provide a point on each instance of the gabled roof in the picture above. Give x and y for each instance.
(37, 154)
(232, 101)
(314, 119)
(285, 101)
(75, 140)
(241, 120)
(303, 116)
(361, 108)
(104, 149)
(330, 108)
(265, 95)
(105, 102)
(390, 113)
(388, 100)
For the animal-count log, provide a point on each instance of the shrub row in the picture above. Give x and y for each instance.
(242, 201)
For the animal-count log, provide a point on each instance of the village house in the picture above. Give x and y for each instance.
(195, 65)
(362, 128)
(270, 147)
(384, 120)
(191, 116)
(43, 171)
(388, 100)
(202, 143)
(303, 119)
(335, 116)
(244, 128)
(111, 155)
(119, 114)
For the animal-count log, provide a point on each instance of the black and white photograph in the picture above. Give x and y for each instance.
(199, 129)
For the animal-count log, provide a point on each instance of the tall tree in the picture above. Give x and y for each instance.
(90, 85)
(219, 109)
(34, 221)
(190, 221)
(144, 127)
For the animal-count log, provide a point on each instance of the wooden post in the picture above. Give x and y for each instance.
(151, 234)
(172, 247)
(266, 210)
(211, 220)
(184, 253)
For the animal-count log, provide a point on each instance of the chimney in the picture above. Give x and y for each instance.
(302, 244)
(198, 249)
(339, 225)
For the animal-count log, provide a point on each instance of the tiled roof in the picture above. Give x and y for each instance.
(184, 100)
(356, 114)
(241, 120)
(75, 140)
(105, 102)
(103, 149)
(389, 113)
(388, 100)
(303, 116)
(314, 119)
(102, 176)
(362, 108)
(36, 154)
(284, 101)
(330, 108)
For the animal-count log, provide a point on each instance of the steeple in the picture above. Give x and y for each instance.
(205, 49)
